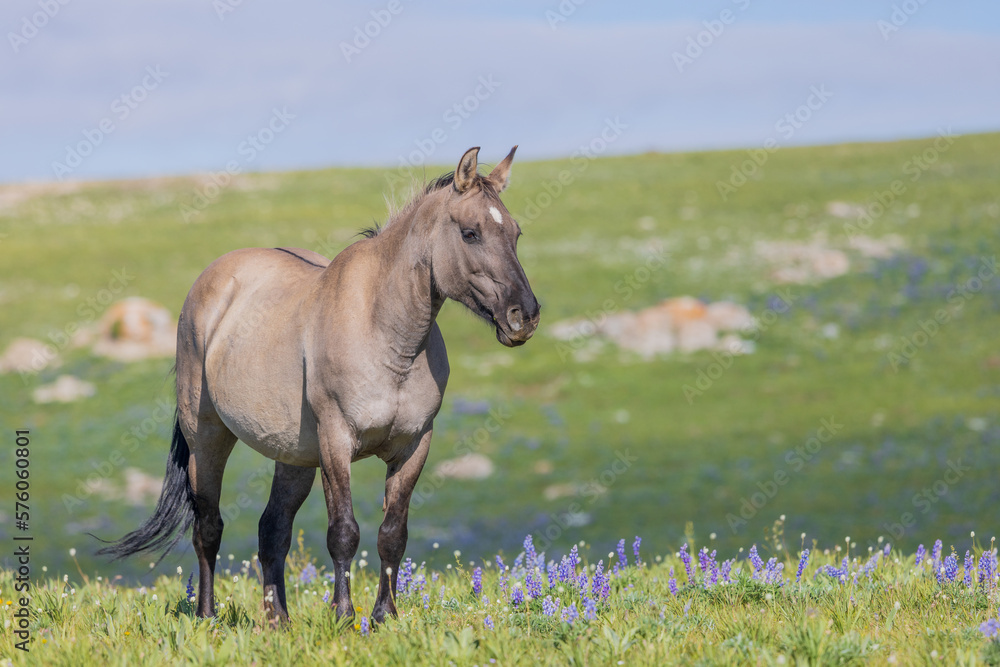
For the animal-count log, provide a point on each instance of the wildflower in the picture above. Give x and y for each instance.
(364, 626)
(404, 577)
(549, 608)
(755, 561)
(803, 559)
(886, 550)
(635, 550)
(326, 596)
(530, 557)
(672, 583)
(921, 552)
(552, 573)
(190, 588)
(936, 553)
(477, 581)
(951, 567)
(180, 570)
(622, 559)
(488, 622)
(517, 596)
(970, 564)
(686, 559)
(589, 609)
(72, 554)
(308, 574)
(725, 568)
(987, 568)
(570, 613)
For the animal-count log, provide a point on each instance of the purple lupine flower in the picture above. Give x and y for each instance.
(725, 569)
(622, 559)
(936, 553)
(597, 584)
(990, 628)
(190, 588)
(326, 596)
(872, 563)
(364, 626)
(530, 556)
(488, 622)
(672, 582)
(404, 577)
(570, 613)
(581, 582)
(951, 567)
(549, 608)
(886, 550)
(686, 559)
(986, 569)
(635, 550)
(477, 581)
(552, 573)
(533, 583)
(939, 573)
(517, 596)
(703, 562)
(921, 552)
(589, 609)
(803, 559)
(969, 565)
(502, 580)
(308, 574)
(434, 576)
(755, 561)
(427, 601)
(574, 557)
(713, 569)
(772, 572)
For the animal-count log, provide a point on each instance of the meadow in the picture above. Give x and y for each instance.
(592, 442)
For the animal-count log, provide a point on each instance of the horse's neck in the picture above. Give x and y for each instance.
(407, 302)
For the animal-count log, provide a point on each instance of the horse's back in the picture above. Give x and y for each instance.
(239, 344)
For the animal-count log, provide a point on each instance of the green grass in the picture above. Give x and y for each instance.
(693, 462)
(897, 613)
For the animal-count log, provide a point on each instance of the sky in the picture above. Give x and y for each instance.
(117, 89)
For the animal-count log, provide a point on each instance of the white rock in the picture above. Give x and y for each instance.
(470, 466)
(65, 389)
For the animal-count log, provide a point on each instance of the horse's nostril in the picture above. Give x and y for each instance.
(514, 318)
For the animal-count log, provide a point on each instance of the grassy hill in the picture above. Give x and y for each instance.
(916, 433)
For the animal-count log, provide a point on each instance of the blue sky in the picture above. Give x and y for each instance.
(269, 85)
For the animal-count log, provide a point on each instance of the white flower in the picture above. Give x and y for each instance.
(236, 579)
(180, 570)
(154, 597)
(435, 545)
(72, 553)
(388, 571)
(457, 553)
(362, 563)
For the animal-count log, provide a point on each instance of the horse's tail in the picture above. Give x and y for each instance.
(175, 510)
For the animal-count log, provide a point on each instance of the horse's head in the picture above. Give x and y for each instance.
(475, 251)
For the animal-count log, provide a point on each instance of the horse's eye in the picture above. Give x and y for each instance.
(470, 235)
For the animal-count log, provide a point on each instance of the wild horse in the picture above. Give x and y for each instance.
(317, 363)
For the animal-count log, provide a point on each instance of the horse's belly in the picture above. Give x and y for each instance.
(265, 413)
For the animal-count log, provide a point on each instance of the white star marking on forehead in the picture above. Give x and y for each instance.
(496, 215)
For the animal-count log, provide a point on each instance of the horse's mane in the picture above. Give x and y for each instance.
(439, 183)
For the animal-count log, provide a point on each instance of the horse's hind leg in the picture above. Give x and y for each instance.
(210, 444)
(289, 490)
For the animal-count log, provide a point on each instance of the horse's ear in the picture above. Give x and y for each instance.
(500, 176)
(465, 175)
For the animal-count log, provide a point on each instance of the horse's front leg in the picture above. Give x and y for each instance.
(336, 447)
(401, 477)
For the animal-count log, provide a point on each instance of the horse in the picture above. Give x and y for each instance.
(317, 363)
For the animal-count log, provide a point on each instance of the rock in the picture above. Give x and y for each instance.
(141, 489)
(136, 328)
(470, 466)
(728, 316)
(696, 335)
(65, 389)
(25, 355)
(684, 309)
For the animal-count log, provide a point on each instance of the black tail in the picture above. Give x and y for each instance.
(175, 510)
